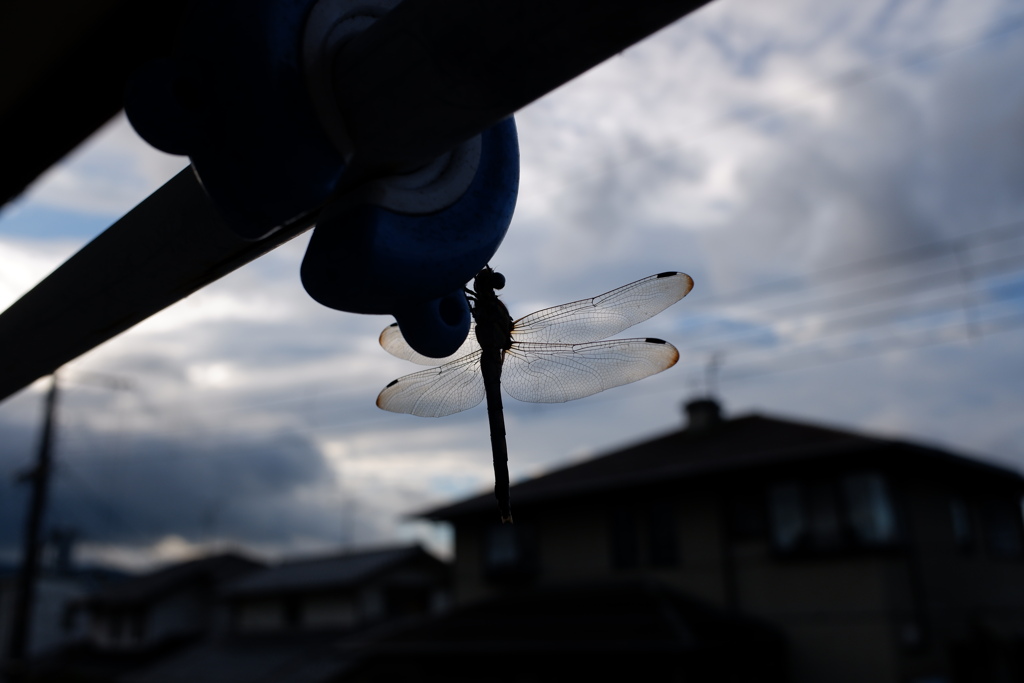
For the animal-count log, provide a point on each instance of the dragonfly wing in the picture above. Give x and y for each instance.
(604, 315)
(436, 392)
(393, 342)
(555, 373)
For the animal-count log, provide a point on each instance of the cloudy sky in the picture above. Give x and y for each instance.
(844, 181)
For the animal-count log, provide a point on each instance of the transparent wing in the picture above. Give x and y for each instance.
(393, 342)
(555, 373)
(436, 392)
(604, 315)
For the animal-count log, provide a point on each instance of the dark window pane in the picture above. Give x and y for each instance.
(509, 552)
(501, 548)
(747, 517)
(823, 512)
(292, 613)
(138, 626)
(625, 551)
(960, 519)
(661, 534)
(789, 524)
(1003, 527)
(869, 508)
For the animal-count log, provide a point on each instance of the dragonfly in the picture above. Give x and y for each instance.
(554, 355)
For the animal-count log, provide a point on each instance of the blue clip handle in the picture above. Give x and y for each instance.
(233, 97)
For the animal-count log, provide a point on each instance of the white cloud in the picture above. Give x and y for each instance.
(107, 175)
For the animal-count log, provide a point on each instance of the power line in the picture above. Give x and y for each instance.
(995, 326)
(872, 314)
(929, 250)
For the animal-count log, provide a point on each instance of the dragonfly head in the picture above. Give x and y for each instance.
(490, 279)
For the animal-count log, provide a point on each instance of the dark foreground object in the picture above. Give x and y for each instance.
(634, 631)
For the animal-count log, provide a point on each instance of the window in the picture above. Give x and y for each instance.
(661, 534)
(292, 613)
(625, 542)
(1002, 516)
(960, 520)
(829, 514)
(137, 626)
(643, 535)
(509, 552)
(871, 516)
(786, 510)
(69, 618)
(823, 521)
(747, 519)
(502, 546)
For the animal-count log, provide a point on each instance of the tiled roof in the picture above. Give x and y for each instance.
(147, 587)
(336, 571)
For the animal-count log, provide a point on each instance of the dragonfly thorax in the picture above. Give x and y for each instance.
(493, 322)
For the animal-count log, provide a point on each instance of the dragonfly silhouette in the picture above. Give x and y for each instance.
(551, 356)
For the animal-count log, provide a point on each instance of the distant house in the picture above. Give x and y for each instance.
(56, 619)
(177, 603)
(339, 592)
(878, 559)
(53, 625)
(286, 623)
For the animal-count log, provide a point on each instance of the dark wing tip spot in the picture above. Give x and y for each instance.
(393, 325)
(649, 340)
(392, 383)
(667, 273)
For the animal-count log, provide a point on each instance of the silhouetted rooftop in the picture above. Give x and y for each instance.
(147, 587)
(726, 446)
(336, 571)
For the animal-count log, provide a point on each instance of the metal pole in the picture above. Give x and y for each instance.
(425, 77)
(433, 73)
(40, 477)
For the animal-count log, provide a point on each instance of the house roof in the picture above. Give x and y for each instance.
(334, 572)
(149, 587)
(745, 443)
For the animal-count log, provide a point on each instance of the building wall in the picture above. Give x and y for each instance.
(834, 611)
(880, 613)
(50, 625)
(183, 613)
(963, 592)
(469, 583)
(329, 611)
(822, 606)
(259, 615)
(420, 587)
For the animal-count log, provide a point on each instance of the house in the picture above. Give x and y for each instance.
(52, 625)
(878, 559)
(339, 592)
(174, 604)
(286, 623)
(60, 587)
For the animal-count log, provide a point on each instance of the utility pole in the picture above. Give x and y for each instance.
(39, 476)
